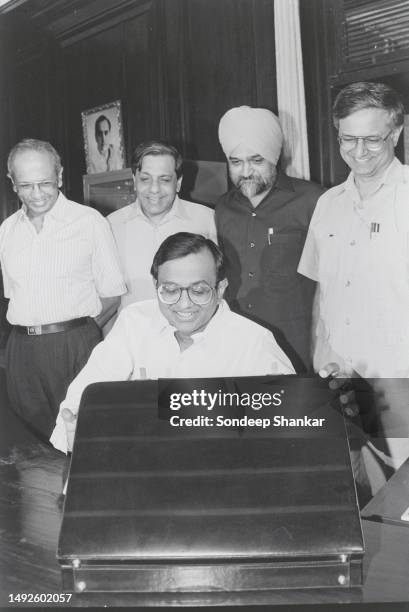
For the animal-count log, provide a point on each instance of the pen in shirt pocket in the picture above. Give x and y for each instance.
(270, 233)
(375, 229)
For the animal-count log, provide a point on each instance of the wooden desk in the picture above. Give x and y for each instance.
(30, 515)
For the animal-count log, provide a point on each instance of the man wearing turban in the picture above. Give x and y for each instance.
(262, 224)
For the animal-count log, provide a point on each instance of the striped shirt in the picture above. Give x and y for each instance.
(61, 272)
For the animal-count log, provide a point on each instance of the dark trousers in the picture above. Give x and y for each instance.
(40, 368)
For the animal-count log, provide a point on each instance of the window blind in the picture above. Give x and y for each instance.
(374, 29)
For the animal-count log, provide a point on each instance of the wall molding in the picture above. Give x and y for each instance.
(69, 21)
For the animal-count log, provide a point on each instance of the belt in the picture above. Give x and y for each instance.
(50, 328)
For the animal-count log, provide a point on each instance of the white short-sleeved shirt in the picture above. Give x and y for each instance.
(138, 239)
(358, 251)
(61, 272)
(142, 344)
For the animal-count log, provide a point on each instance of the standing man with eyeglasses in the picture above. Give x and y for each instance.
(357, 247)
(188, 331)
(61, 274)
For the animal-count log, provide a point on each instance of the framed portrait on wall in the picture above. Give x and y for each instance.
(103, 138)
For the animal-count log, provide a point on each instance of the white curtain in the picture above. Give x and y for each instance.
(290, 88)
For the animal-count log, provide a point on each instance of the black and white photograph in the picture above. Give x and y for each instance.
(103, 138)
(204, 298)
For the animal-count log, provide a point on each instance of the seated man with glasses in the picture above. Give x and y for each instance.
(187, 332)
(62, 276)
(357, 247)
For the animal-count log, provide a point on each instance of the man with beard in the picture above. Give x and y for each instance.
(262, 223)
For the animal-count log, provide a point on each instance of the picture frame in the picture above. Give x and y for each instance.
(103, 138)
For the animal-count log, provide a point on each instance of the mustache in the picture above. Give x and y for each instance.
(248, 179)
(252, 185)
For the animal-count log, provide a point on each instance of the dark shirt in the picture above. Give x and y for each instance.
(262, 247)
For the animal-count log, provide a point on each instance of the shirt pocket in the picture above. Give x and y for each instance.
(388, 252)
(282, 254)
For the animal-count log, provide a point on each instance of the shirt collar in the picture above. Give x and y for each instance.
(162, 326)
(283, 182)
(214, 324)
(349, 184)
(392, 175)
(177, 210)
(57, 212)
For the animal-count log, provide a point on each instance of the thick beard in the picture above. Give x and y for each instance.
(254, 186)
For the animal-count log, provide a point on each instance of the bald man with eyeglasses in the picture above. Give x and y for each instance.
(62, 276)
(188, 331)
(357, 249)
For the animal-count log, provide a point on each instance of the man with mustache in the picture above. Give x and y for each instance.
(157, 213)
(262, 223)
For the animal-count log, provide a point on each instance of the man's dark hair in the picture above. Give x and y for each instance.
(100, 119)
(184, 243)
(156, 147)
(362, 95)
(32, 144)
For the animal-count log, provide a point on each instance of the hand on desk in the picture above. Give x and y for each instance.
(381, 403)
(342, 382)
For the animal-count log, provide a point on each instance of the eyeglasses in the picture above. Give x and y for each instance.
(42, 186)
(199, 293)
(372, 143)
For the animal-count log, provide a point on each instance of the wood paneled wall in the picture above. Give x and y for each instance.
(176, 65)
(323, 22)
(319, 41)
